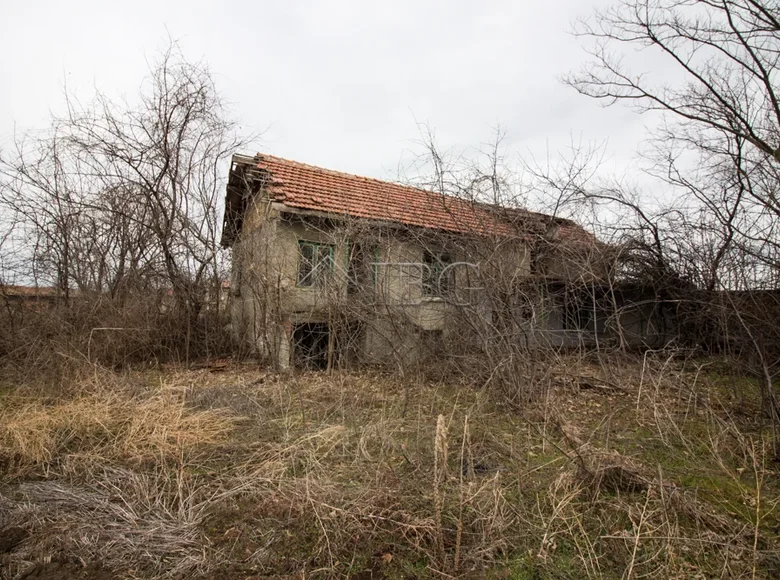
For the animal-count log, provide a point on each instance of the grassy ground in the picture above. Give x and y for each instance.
(638, 469)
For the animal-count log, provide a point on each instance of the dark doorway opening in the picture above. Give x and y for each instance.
(310, 345)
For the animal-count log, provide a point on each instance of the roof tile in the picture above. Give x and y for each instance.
(303, 186)
(307, 187)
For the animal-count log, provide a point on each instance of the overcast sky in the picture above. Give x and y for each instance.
(338, 84)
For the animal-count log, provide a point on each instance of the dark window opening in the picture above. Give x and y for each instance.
(315, 344)
(437, 279)
(315, 263)
(578, 315)
(310, 345)
(361, 271)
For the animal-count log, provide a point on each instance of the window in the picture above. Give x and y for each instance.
(361, 272)
(315, 263)
(433, 282)
(577, 314)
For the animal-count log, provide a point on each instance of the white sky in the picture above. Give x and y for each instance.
(339, 84)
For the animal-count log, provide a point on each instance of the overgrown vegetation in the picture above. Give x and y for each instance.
(495, 456)
(624, 470)
(113, 214)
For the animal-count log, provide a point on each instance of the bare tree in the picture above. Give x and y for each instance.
(716, 154)
(718, 145)
(125, 196)
(727, 51)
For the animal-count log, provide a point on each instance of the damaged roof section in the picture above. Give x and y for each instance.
(306, 187)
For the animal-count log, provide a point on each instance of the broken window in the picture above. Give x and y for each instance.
(315, 263)
(361, 273)
(438, 280)
(319, 345)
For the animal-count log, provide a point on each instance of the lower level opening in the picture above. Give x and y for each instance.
(310, 345)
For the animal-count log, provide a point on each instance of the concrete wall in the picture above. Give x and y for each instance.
(636, 321)
(644, 323)
(269, 302)
(398, 321)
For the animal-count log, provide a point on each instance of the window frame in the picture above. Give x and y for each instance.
(434, 263)
(353, 287)
(318, 280)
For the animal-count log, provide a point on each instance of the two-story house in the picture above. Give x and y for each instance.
(330, 268)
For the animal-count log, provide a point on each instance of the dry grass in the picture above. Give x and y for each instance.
(107, 422)
(624, 471)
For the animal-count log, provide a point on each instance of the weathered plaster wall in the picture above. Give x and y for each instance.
(270, 301)
(401, 320)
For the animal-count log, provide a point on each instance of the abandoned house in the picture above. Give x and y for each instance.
(331, 269)
(34, 298)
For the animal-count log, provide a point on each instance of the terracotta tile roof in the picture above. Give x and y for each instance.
(28, 291)
(573, 235)
(308, 187)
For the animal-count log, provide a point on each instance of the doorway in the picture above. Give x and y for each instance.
(310, 345)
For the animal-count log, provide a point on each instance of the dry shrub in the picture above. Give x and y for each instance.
(664, 482)
(614, 519)
(50, 345)
(108, 475)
